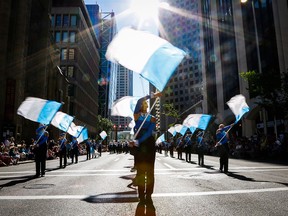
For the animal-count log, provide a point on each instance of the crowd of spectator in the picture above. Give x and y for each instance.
(262, 147)
(256, 147)
(11, 152)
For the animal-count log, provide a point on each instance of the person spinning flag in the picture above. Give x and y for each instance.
(145, 154)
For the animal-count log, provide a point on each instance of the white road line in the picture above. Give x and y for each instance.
(169, 166)
(205, 193)
(170, 170)
(114, 196)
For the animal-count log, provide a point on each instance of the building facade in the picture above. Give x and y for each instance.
(28, 60)
(185, 88)
(223, 39)
(76, 40)
(124, 88)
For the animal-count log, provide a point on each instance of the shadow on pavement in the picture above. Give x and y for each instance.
(121, 197)
(244, 178)
(147, 209)
(16, 180)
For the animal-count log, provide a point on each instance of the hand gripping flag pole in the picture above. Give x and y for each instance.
(225, 133)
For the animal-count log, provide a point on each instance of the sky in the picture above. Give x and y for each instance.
(140, 85)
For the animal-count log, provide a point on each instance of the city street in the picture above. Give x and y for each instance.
(102, 186)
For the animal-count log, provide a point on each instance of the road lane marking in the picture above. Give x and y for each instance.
(169, 166)
(155, 195)
(169, 171)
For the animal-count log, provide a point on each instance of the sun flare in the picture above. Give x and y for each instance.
(145, 9)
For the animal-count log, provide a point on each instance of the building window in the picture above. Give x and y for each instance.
(65, 20)
(65, 36)
(70, 71)
(71, 54)
(72, 37)
(63, 54)
(57, 37)
(52, 20)
(71, 90)
(58, 20)
(73, 20)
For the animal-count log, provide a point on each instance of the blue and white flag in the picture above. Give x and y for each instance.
(181, 129)
(192, 129)
(160, 139)
(103, 135)
(62, 121)
(74, 130)
(238, 106)
(194, 121)
(38, 110)
(124, 106)
(131, 124)
(83, 136)
(172, 131)
(154, 58)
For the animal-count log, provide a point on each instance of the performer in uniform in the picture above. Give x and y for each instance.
(62, 149)
(146, 149)
(75, 150)
(222, 146)
(40, 150)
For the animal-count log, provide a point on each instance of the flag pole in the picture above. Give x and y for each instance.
(202, 137)
(225, 134)
(41, 135)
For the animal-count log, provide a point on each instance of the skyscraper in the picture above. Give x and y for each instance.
(182, 29)
(79, 61)
(224, 38)
(28, 61)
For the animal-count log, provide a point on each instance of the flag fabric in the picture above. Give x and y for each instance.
(83, 136)
(160, 139)
(74, 130)
(181, 129)
(200, 121)
(172, 131)
(103, 135)
(62, 121)
(192, 129)
(238, 106)
(154, 58)
(132, 124)
(38, 110)
(124, 106)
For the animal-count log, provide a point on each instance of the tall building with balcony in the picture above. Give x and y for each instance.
(79, 62)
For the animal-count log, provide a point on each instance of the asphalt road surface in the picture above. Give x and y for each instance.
(102, 186)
